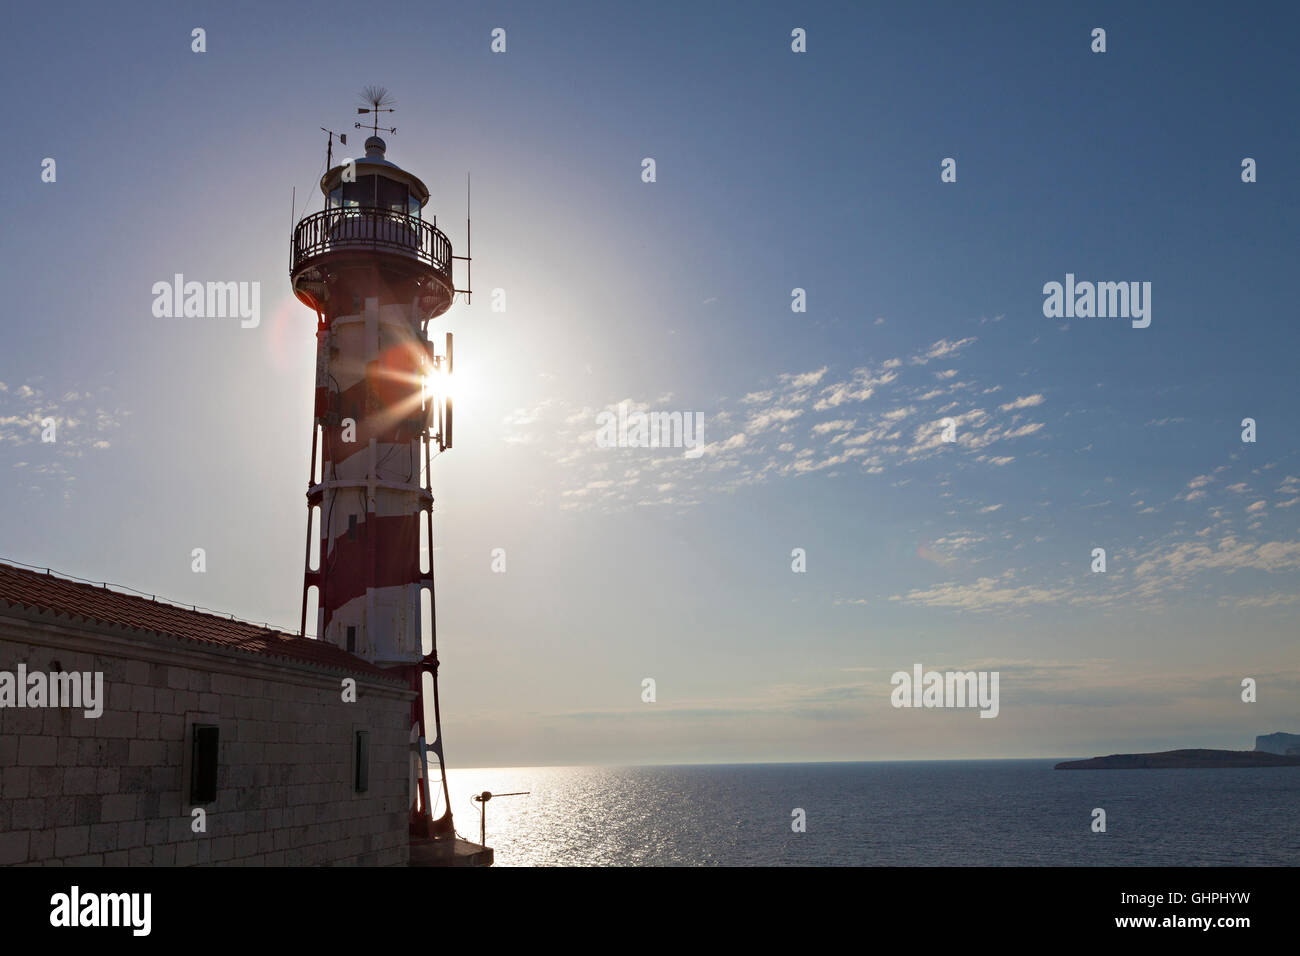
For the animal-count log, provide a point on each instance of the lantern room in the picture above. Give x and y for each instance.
(377, 184)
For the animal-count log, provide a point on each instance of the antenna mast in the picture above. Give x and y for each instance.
(329, 148)
(468, 258)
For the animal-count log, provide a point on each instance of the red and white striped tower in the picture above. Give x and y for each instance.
(377, 272)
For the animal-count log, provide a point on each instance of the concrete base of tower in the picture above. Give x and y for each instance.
(449, 851)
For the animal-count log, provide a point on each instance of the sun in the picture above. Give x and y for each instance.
(461, 384)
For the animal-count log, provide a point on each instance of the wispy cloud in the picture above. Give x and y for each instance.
(77, 422)
(789, 427)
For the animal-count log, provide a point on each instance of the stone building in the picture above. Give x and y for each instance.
(198, 712)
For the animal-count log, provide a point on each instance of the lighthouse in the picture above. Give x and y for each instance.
(378, 272)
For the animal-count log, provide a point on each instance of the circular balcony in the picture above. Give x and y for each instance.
(381, 230)
(326, 241)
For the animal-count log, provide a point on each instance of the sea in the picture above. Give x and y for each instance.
(915, 813)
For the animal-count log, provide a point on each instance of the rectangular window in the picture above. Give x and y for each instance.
(352, 527)
(352, 640)
(413, 208)
(390, 195)
(360, 193)
(362, 783)
(203, 764)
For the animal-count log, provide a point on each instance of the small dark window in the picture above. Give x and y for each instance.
(352, 527)
(352, 640)
(362, 783)
(391, 195)
(203, 764)
(360, 193)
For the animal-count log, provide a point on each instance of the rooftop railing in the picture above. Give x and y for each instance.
(347, 229)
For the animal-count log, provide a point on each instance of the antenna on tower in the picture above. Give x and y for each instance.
(468, 258)
(380, 102)
(329, 149)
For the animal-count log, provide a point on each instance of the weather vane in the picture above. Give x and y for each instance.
(377, 97)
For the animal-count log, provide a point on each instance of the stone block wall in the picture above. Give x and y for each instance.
(111, 791)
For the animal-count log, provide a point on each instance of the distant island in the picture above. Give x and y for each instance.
(1271, 750)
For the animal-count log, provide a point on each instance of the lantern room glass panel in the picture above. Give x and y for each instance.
(391, 195)
(359, 193)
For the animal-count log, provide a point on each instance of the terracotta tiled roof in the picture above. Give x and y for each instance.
(89, 602)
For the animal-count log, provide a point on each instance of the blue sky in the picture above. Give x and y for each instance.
(775, 170)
